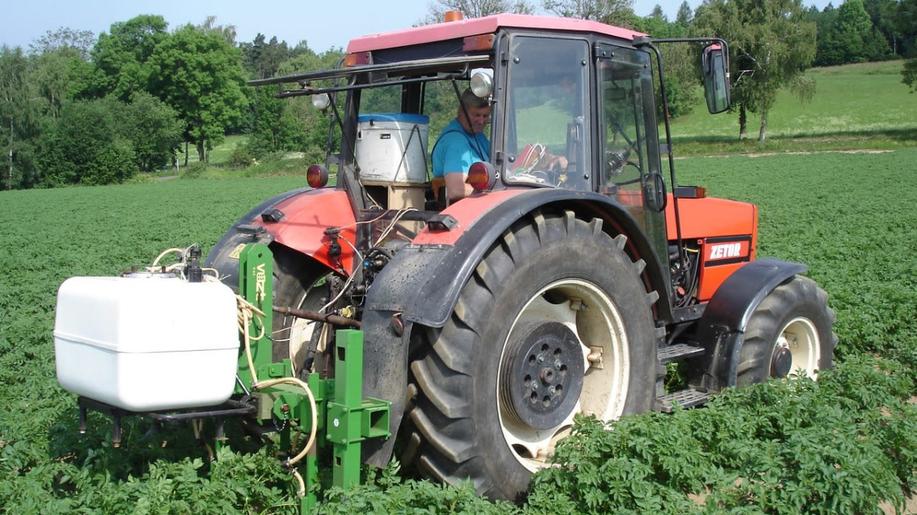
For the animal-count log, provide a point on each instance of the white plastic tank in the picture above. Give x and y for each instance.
(392, 147)
(146, 343)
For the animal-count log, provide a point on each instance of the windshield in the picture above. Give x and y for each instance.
(547, 129)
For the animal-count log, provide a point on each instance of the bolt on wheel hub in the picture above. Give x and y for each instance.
(544, 377)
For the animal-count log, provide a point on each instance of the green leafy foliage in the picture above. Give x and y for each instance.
(153, 129)
(841, 445)
(84, 147)
(789, 447)
(199, 74)
(121, 57)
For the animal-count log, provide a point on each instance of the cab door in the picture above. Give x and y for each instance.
(629, 163)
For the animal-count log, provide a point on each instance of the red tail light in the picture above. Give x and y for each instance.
(482, 176)
(317, 176)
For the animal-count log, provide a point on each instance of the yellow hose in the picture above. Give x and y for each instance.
(312, 430)
(256, 384)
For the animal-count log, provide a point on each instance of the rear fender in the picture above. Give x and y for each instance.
(223, 256)
(722, 327)
(421, 284)
(301, 219)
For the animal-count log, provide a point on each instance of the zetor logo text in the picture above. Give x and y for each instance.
(725, 250)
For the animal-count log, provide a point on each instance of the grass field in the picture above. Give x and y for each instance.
(841, 446)
(850, 99)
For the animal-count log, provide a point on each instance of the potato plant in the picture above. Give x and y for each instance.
(842, 445)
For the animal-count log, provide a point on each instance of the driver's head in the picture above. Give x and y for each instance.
(478, 112)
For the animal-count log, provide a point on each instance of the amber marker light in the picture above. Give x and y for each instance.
(482, 176)
(357, 59)
(317, 176)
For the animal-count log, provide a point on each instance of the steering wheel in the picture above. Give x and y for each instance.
(616, 160)
(535, 161)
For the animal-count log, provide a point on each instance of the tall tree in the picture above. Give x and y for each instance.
(228, 32)
(883, 14)
(81, 41)
(16, 119)
(476, 8)
(262, 58)
(907, 25)
(617, 12)
(855, 34)
(59, 75)
(771, 43)
(658, 14)
(199, 74)
(121, 57)
(685, 15)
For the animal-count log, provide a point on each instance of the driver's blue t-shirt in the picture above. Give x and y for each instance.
(456, 151)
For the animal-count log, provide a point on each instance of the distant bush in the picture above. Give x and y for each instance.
(241, 157)
(193, 170)
(84, 146)
(153, 129)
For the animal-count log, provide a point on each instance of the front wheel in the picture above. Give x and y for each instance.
(554, 322)
(788, 333)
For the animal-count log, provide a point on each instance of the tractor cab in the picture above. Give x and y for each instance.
(573, 107)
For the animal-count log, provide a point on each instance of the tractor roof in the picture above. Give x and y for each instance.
(477, 26)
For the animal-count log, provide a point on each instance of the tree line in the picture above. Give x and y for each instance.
(76, 109)
(79, 109)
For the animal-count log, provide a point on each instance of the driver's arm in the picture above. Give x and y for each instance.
(456, 188)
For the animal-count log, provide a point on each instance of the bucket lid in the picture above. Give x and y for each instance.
(394, 117)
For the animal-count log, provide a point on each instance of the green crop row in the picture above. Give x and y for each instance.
(844, 444)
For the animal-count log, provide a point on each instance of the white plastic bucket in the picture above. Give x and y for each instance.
(392, 147)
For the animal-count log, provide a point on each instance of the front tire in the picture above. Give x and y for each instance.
(788, 333)
(555, 309)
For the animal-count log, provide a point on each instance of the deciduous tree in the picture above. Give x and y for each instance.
(121, 57)
(476, 8)
(81, 41)
(615, 12)
(771, 44)
(152, 127)
(18, 120)
(199, 74)
(84, 147)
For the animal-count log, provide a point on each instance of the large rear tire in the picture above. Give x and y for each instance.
(788, 333)
(554, 321)
(299, 282)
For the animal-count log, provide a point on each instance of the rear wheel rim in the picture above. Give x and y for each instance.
(598, 325)
(800, 337)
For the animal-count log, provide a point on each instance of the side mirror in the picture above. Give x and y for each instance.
(715, 65)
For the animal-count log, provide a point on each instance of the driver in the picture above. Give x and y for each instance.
(461, 144)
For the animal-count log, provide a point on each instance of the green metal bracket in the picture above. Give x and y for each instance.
(352, 419)
(256, 268)
(344, 417)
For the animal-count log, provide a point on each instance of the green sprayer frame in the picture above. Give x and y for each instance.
(344, 417)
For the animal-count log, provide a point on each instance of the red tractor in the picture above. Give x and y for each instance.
(550, 291)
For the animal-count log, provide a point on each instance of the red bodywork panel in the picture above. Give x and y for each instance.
(306, 216)
(476, 26)
(726, 232)
(466, 212)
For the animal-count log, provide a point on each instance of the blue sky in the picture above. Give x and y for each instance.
(321, 26)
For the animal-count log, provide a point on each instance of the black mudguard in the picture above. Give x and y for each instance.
(422, 283)
(722, 327)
